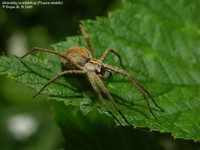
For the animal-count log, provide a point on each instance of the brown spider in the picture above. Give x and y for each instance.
(82, 61)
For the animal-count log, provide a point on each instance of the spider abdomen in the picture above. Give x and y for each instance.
(78, 55)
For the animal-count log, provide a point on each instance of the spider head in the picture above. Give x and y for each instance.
(95, 66)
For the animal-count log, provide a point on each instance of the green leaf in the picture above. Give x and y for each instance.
(159, 42)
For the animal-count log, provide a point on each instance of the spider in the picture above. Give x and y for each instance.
(82, 61)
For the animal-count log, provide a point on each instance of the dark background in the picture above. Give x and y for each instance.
(30, 124)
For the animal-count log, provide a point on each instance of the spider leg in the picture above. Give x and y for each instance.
(85, 35)
(58, 76)
(142, 90)
(43, 50)
(100, 83)
(92, 81)
(53, 52)
(105, 54)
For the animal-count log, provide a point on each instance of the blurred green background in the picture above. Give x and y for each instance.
(30, 124)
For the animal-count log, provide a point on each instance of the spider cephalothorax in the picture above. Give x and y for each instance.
(79, 60)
